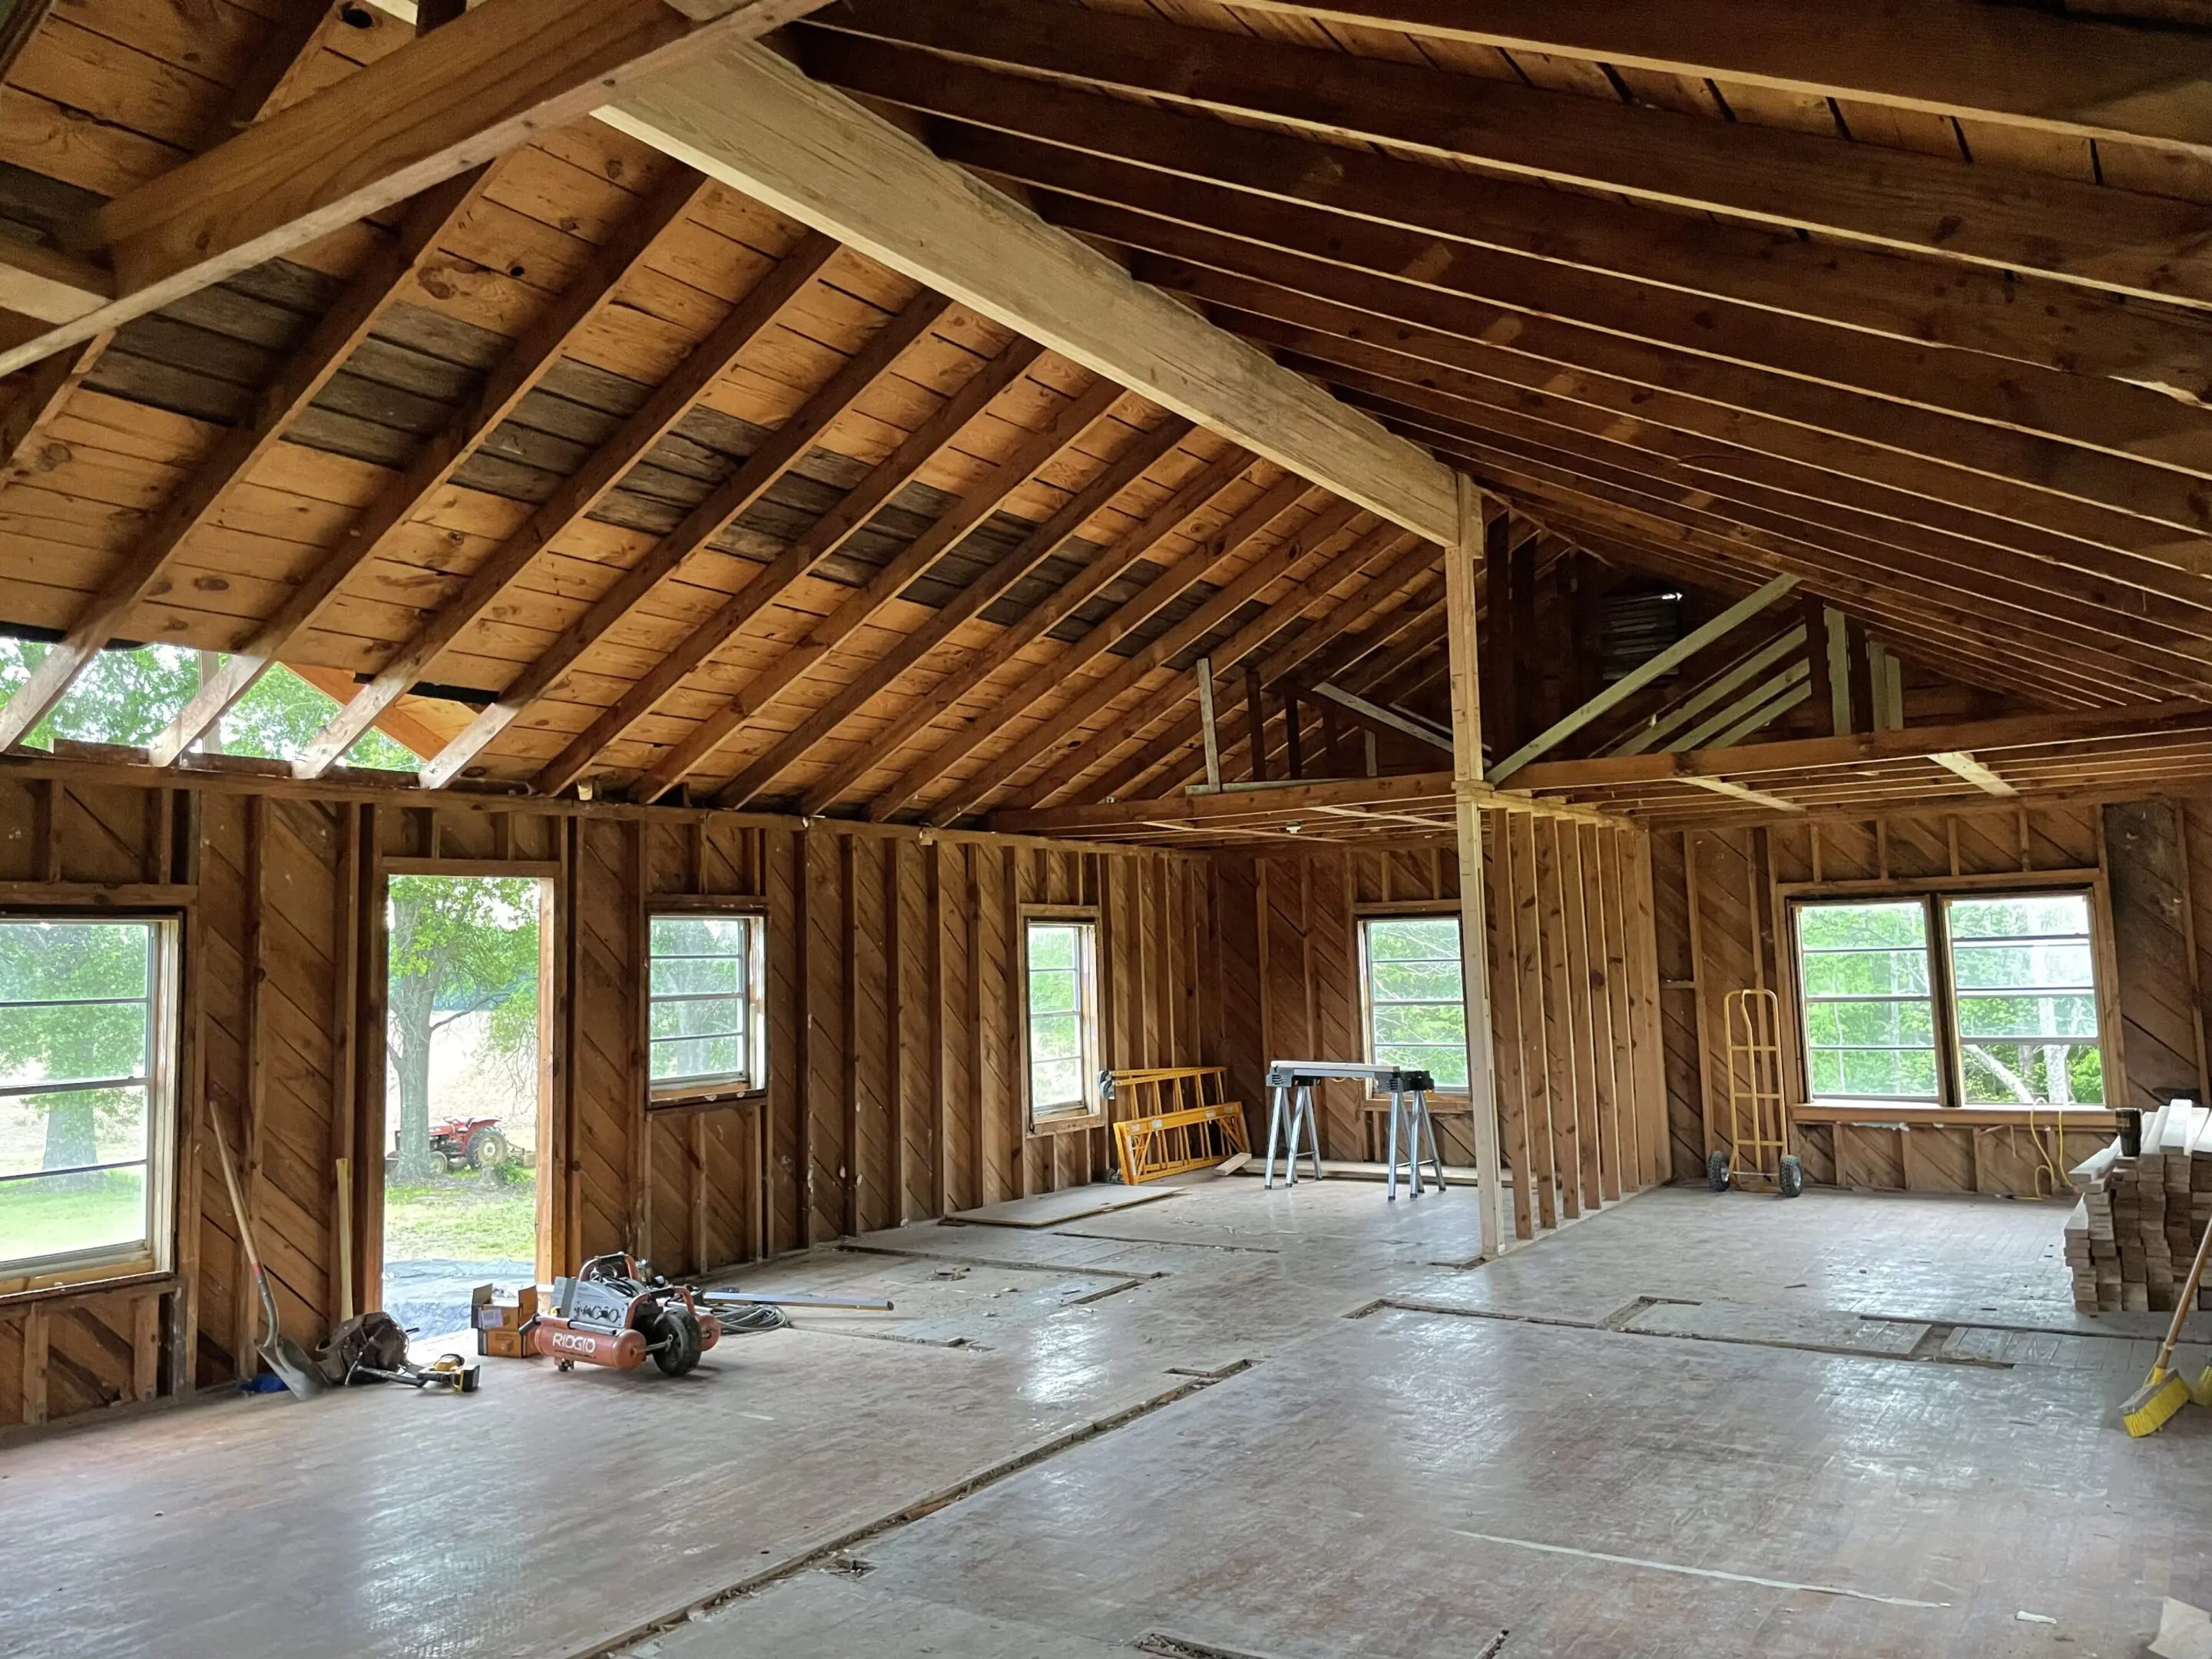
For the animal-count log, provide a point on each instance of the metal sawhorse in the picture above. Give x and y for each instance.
(1291, 1127)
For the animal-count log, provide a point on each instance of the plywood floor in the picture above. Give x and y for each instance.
(1258, 1423)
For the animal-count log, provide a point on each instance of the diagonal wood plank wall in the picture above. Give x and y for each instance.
(894, 1004)
(1582, 1101)
(1718, 902)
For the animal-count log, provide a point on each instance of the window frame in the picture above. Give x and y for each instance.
(676, 1094)
(1092, 1113)
(154, 1256)
(1424, 910)
(1933, 895)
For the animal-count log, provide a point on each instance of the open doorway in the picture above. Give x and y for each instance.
(466, 1086)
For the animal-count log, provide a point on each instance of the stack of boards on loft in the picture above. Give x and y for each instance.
(2131, 1238)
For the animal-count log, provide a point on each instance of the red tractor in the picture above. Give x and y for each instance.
(475, 1141)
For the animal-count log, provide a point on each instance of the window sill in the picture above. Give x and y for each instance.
(23, 1289)
(1873, 1112)
(1060, 1123)
(730, 1095)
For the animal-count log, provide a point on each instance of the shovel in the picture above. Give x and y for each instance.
(283, 1355)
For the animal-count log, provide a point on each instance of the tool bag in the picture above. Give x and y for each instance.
(374, 1338)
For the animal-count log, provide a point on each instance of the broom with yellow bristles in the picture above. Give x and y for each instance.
(2164, 1393)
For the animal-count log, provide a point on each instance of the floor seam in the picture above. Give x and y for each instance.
(1000, 1263)
(1970, 1361)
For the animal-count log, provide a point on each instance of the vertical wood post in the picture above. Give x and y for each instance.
(1473, 927)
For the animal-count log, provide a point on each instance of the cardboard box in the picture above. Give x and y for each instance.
(503, 1328)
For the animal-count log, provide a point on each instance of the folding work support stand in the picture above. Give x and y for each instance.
(1291, 1118)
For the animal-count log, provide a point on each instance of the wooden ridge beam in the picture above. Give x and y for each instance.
(235, 454)
(2074, 75)
(979, 665)
(528, 359)
(776, 454)
(2126, 242)
(1303, 593)
(575, 497)
(1729, 291)
(1329, 522)
(821, 540)
(984, 589)
(1037, 450)
(757, 123)
(2009, 733)
(1132, 613)
(434, 108)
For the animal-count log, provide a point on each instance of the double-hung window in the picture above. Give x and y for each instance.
(87, 1096)
(1415, 988)
(1059, 954)
(1980, 999)
(705, 1030)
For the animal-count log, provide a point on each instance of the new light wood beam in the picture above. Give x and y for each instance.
(236, 455)
(1738, 792)
(1131, 614)
(1100, 694)
(1659, 730)
(1728, 290)
(1390, 719)
(757, 123)
(2124, 241)
(434, 109)
(528, 359)
(981, 499)
(1302, 595)
(2073, 75)
(575, 498)
(979, 665)
(1961, 764)
(914, 645)
(777, 453)
(2014, 731)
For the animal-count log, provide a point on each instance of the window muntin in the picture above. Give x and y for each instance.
(2023, 978)
(86, 1098)
(1416, 1002)
(1985, 999)
(1869, 1014)
(1060, 967)
(704, 1028)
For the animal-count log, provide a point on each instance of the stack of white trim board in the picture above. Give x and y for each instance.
(2131, 1240)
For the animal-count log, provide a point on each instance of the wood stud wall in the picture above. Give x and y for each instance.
(1574, 1003)
(1719, 905)
(894, 1002)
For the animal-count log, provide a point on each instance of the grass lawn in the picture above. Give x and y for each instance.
(78, 1213)
(463, 1218)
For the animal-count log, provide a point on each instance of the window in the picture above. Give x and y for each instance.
(1416, 996)
(705, 1031)
(1958, 999)
(87, 1094)
(1061, 958)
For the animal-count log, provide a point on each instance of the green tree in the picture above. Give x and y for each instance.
(459, 945)
(64, 1034)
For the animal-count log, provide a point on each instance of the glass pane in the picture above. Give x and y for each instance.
(1898, 1074)
(1984, 1016)
(1870, 1024)
(697, 1057)
(72, 1043)
(2006, 966)
(1052, 993)
(1447, 1062)
(43, 961)
(1431, 981)
(1854, 927)
(708, 1016)
(71, 1129)
(1438, 1022)
(2022, 916)
(52, 1215)
(1052, 946)
(2033, 1074)
(1827, 1070)
(1430, 937)
(679, 976)
(701, 936)
(1866, 973)
(1056, 1083)
(1056, 1037)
